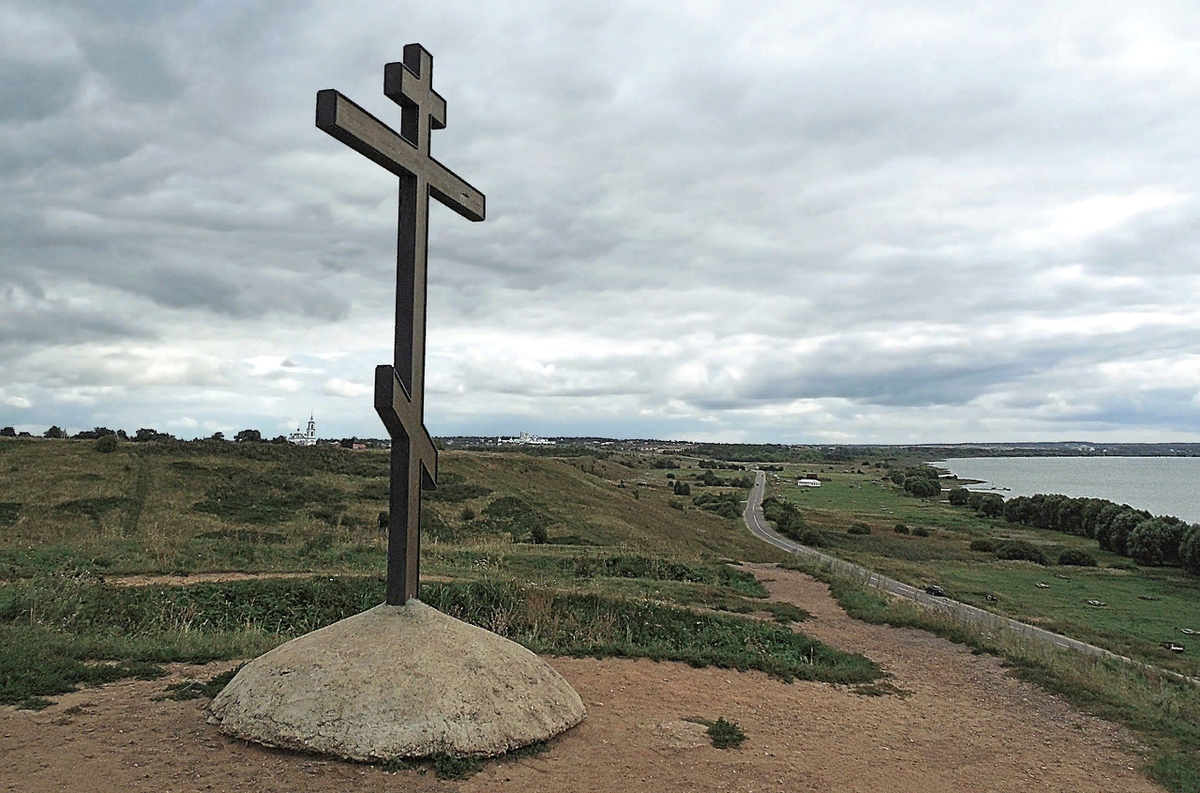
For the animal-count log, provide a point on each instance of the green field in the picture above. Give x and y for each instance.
(1142, 607)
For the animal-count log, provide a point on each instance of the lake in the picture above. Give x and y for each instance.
(1161, 485)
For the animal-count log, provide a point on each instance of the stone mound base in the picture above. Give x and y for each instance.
(397, 681)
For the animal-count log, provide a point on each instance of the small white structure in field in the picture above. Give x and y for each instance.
(808, 481)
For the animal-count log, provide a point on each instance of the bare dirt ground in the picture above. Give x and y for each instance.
(964, 726)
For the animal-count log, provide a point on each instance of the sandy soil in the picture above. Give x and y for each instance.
(964, 726)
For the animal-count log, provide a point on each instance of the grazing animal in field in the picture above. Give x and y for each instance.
(1041, 585)
(1172, 646)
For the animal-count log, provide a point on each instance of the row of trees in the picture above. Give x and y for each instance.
(58, 433)
(145, 435)
(1119, 528)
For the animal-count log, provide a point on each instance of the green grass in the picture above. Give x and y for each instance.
(56, 630)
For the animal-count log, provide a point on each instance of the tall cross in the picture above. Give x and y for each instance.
(400, 388)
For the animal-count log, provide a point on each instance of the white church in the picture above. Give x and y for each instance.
(306, 438)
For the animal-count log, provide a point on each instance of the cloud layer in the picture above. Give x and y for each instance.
(756, 221)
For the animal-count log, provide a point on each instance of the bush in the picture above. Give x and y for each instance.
(959, 496)
(812, 538)
(920, 531)
(985, 545)
(539, 536)
(725, 734)
(901, 528)
(106, 444)
(922, 487)
(786, 517)
(468, 514)
(727, 505)
(1019, 550)
(682, 488)
(1076, 557)
(859, 528)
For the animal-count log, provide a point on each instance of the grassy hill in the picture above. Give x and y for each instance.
(573, 555)
(216, 507)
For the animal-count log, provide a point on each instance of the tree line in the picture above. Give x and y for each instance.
(1152, 541)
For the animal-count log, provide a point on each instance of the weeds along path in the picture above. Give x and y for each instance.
(759, 527)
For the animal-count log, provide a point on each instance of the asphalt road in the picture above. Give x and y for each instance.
(761, 529)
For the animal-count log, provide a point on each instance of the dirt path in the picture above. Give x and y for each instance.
(965, 726)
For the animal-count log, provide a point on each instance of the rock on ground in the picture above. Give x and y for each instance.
(398, 681)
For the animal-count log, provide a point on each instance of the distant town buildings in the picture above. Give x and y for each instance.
(306, 438)
(525, 439)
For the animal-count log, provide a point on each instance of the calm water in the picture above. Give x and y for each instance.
(1162, 485)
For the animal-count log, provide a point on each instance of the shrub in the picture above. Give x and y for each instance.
(539, 536)
(468, 514)
(106, 444)
(901, 528)
(1020, 550)
(786, 517)
(985, 545)
(920, 531)
(682, 488)
(812, 538)
(675, 504)
(727, 505)
(1076, 557)
(725, 734)
(859, 528)
(959, 496)
(922, 487)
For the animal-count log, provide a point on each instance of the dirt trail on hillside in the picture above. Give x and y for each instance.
(154, 579)
(964, 726)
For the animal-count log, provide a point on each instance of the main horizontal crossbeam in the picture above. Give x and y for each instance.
(343, 119)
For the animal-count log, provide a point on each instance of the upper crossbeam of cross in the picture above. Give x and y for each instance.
(406, 154)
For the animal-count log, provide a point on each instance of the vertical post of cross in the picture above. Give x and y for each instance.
(409, 84)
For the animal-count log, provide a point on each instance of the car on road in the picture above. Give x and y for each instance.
(935, 590)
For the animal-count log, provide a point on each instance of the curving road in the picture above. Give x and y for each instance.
(760, 528)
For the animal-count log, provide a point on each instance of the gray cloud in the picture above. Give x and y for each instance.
(780, 222)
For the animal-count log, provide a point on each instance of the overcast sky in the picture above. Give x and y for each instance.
(803, 222)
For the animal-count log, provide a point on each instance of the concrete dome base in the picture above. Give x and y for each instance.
(398, 681)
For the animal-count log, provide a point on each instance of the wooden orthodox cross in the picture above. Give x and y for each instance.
(414, 458)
